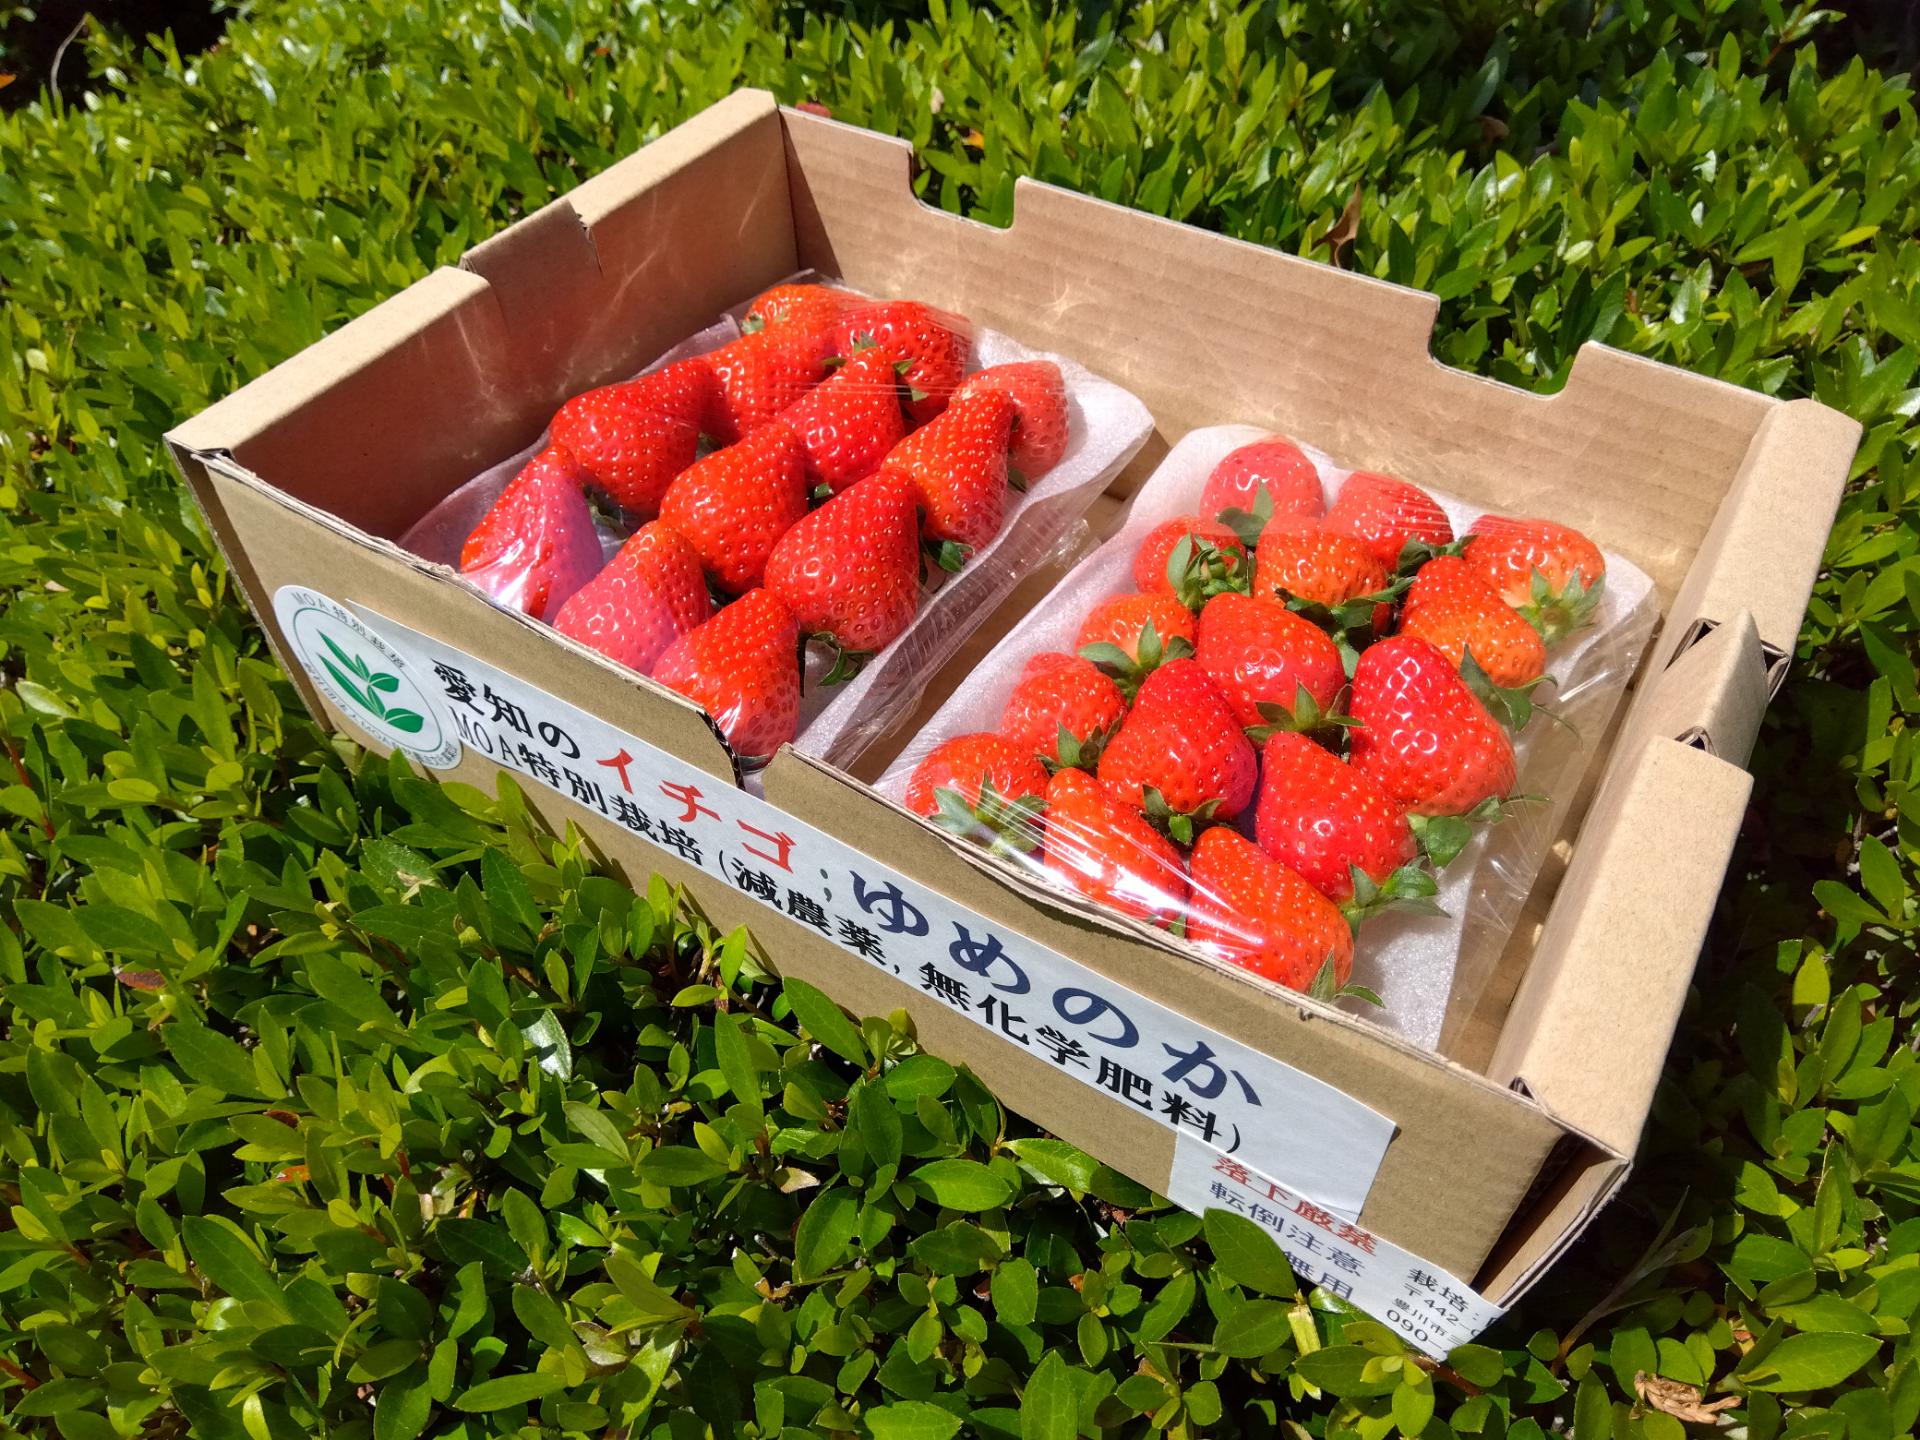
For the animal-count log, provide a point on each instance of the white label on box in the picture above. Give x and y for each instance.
(1179, 1072)
(1433, 1310)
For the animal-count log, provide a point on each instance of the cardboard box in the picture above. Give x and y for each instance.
(1485, 1165)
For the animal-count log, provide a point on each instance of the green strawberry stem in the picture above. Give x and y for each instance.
(1198, 570)
(1250, 525)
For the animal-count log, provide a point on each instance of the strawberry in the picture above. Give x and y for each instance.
(848, 423)
(634, 437)
(934, 344)
(1040, 425)
(743, 668)
(1180, 753)
(1324, 819)
(1062, 710)
(1103, 849)
(957, 466)
(536, 545)
(1304, 560)
(759, 375)
(647, 597)
(1274, 667)
(1421, 735)
(850, 571)
(1550, 573)
(1212, 559)
(982, 787)
(1257, 482)
(1455, 607)
(1384, 514)
(735, 505)
(805, 307)
(1252, 911)
(1129, 635)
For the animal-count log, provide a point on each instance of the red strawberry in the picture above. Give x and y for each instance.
(1102, 848)
(1422, 735)
(1214, 559)
(537, 544)
(1262, 656)
(850, 571)
(983, 787)
(1322, 818)
(761, 374)
(634, 437)
(1452, 605)
(957, 465)
(734, 506)
(743, 668)
(849, 422)
(1062, 709)
(1252, 911)
(1129, 635)
(1267, 479)
(1040, 425)
(647, 597)
(1181, 742)
(1550, 573)
(1383, 514)
(1304, 560)
(934, 343)
(806, 307)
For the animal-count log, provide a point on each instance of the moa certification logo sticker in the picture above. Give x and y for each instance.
(365, 678)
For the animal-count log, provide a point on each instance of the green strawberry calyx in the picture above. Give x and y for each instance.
(1130, 672)
(1410, 888)
(1556, 614)
(1511, 705)
(1306, 716)
(1007, 828)
(1076, 752)
(1181, 826)
(1326, 986)
(1198, 570)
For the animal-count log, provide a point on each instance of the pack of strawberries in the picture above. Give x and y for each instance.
(1279, 707)
(800, 490)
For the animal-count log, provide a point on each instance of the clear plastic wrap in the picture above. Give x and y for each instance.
(881, 475)
(1243, 772)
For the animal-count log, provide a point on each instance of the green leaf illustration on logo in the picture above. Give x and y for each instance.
(406, 721)
(345, 684)
(380, 680)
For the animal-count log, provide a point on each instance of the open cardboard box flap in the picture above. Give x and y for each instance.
(1722, 495)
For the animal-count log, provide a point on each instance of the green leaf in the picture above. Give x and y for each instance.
(504, 1391)
(401, 1406)
(1247, 1254)
(736, 1058)
(506, 890)
(827, 1227)
(213, 1059)
(1811, 1362)
(230, 1263)
(878, 1122)
(961, 1185)
(822, 1019)
(679, 1165)
(1015, 1291)
(1057, 1162)
(467, 1240)
(1050, 1403)
(911, 1420)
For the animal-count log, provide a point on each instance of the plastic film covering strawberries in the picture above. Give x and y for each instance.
(1319, 724)
(795, 517)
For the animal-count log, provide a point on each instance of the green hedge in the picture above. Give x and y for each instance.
(320, 1083)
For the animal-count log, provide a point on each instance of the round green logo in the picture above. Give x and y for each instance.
(364, 677)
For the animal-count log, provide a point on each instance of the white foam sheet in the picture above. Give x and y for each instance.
(1106, 427)
(1418, 965)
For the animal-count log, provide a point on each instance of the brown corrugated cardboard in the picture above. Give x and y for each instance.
(1722, 495)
